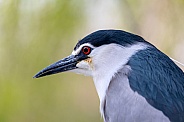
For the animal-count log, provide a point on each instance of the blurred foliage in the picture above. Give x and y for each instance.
(34, 34)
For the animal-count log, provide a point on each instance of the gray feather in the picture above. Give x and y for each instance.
(122, 104)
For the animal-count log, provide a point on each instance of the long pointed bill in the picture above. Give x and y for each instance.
(65, 64)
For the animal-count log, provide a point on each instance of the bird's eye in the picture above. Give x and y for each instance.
(86, 50)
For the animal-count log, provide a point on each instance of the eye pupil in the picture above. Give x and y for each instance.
(86, 50)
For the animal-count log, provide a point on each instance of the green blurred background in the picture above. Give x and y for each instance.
(36, 33)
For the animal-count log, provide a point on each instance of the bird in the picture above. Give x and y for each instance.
(134, 80)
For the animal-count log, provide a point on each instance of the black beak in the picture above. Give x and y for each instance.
(63, 65)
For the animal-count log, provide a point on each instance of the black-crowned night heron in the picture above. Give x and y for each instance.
(135, 81)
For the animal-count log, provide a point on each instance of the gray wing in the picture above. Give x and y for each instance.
(122, 104)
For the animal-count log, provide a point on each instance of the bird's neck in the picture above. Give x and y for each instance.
(102, 85)
(107, 65)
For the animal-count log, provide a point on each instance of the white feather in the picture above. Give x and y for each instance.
(177, 61)
(106, 64)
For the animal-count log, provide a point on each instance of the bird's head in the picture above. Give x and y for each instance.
(99, 53)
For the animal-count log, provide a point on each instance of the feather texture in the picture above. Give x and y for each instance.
(122, 104)
(157, 78)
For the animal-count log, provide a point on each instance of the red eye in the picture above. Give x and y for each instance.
(86, 50)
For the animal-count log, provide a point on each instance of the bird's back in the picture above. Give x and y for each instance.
(156, 77)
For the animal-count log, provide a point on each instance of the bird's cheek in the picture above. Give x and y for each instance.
(85, 64)
(83, 67)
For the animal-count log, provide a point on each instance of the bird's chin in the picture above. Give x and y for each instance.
(84, 68)
(82, 71)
